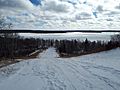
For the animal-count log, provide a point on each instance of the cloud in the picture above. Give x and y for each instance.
(118, 6)
(61, 13)
(57, 6)
(99, 8)
(16, 4)
(83, 15)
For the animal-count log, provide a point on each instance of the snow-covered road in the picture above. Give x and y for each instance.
(99, 71)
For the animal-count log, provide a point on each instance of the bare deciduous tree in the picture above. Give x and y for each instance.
(115, 37)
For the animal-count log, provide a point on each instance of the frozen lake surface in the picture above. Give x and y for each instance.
(69, 36)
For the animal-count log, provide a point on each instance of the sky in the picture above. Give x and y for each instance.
(61, 14)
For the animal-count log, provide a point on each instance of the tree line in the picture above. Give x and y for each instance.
(17, 46)
(68, 48)
(13, 45)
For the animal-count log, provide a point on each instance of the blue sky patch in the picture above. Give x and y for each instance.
(36, 2)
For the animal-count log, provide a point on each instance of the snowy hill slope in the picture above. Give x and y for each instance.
(99, 71)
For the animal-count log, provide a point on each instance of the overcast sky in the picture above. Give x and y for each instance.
(62, 14)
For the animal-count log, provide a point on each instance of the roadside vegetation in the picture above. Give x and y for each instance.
(71, 48)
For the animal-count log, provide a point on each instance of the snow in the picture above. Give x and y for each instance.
(69, 36)
(100, 71)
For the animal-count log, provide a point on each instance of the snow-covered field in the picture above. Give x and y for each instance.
(100, 71)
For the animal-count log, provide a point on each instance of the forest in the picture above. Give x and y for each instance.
(69, 48)
(13, 46)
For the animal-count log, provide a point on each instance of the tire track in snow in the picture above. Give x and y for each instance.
(49, 74)
(112, 84)
(64, 76)
(78, 75)
(106, 69)
(8, 71)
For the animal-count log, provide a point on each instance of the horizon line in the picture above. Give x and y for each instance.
(53, 31)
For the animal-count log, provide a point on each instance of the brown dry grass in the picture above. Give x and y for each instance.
(6, 61)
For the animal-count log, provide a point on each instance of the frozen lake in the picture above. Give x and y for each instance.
(69, 36)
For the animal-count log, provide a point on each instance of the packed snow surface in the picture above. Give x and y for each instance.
(100, 71)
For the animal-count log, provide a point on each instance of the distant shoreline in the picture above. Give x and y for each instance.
(54, 31)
